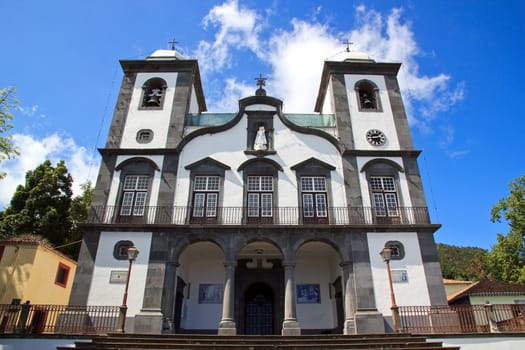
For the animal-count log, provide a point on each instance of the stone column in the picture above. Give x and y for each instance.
(227, 324)
(349, 298)
(169, 290)
(150, 318)
(290, 324)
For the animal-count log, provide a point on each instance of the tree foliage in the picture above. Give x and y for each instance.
(506, 260)
(8, 102)
(462, 263)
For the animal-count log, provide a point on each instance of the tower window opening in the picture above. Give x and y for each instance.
(368, 96)
(153, 92)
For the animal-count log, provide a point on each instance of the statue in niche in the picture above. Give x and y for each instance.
(260, 144)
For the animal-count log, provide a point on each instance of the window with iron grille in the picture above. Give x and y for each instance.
(313, 194)
(384, 196)
(205, 196)
(134, 195)
(260, 196)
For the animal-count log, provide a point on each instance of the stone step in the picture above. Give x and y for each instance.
(319, 342)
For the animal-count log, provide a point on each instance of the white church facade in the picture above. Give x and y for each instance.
(258, 221)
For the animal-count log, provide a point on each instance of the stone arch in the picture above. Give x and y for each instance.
(134, 161)
(374, 162)
(319, 285)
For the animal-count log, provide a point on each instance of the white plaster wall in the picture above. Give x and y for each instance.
(104, 293)
(155, 184)
(402, 190)
(484, 343)
(204, 270)
(364, 121)
(291, 147)
(156, 120)
(316, 270)
(412, 293)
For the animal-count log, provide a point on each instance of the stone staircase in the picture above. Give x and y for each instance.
(243, 342)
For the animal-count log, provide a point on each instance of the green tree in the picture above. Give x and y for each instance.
(462, 263)
(8, 102)
(506, 260)
(41, 206)
(80, 206)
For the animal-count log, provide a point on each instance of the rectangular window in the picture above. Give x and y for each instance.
(314, 197)
(260, 196)
(135, 192)
(62, 275)
(205, 196)
(384, 196)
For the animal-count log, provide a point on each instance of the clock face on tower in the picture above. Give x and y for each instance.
(375, 137)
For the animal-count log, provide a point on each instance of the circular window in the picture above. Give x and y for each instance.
(398, 250)
(120, 251)
(144, 135)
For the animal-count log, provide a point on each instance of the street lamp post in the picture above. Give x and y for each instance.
(386, 254)
(132, 255)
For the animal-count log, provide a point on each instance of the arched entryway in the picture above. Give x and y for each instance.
(259, 289)
(259, 309)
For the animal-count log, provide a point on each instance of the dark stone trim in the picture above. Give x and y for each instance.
(398, 111)
(385, 153)
(332, 68)
(312, 162)
(267, 161)
(243, 104)
(137, 159)
(207, 161)
(306, 229)
(372, 162)
(136, 151)
(169, 66)
(85, 267)
(432, 267)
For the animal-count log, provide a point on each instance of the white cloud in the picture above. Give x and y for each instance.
(237, 27)
(80, 162)
(230, 94)
(296, 57)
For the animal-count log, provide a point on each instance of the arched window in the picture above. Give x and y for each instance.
(135, 187)
(153, 92)
(260, 183)
(383, 183)
(367, 96)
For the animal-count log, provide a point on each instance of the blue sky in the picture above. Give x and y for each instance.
(461, 79)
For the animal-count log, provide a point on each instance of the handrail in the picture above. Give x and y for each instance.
(180, 215)
(57, 319)
(487, 318)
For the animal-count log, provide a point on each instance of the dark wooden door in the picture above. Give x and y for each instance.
(259, 310)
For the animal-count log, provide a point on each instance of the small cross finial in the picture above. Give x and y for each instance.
(261, 81)
(348, 43)
(173, 42)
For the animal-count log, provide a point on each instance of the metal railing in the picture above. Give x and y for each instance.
(58, 319)
(488, 318)
(178, 215)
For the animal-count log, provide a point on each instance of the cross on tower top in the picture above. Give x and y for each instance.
(173, 42)
(261, 81)
(348, 43)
